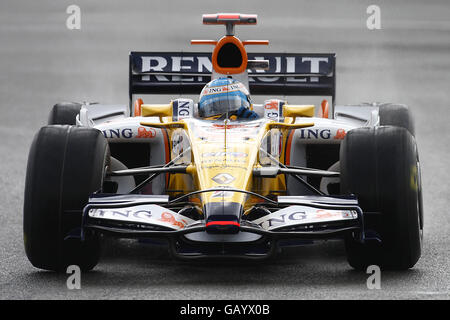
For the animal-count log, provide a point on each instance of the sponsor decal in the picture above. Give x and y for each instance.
(238, 132)
(315, 134)
(122, 214)
(271, 105)
(273, 109)
(177, 143)
(301, 215)
(182, 109)
(284, 219)
(340, 134)
(222, 194)
(144, 132)
(129, 133)
(223, 178)
(322, 134)
(220, 89)
(149, 214)
(168, 217)
(221, 165)
(234, 126)
(324, 214)
(180, 145)
(224, 154)
(159, 64)
(126, 133)
(219, 162)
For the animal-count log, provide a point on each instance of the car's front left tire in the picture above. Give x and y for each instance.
(380, 166)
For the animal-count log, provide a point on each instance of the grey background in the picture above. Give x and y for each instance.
(42, 62)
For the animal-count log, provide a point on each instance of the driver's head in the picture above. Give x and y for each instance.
(221, 96)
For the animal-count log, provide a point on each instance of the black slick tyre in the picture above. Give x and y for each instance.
(65, 165)
(64, 113)
(380, 166)
(398, 115)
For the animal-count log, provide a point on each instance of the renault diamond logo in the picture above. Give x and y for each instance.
(223, 178)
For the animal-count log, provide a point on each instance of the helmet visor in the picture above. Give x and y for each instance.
(221, 105)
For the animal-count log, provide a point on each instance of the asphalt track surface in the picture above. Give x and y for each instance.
(42, 62)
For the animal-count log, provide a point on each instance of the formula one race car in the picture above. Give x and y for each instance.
(225, 176)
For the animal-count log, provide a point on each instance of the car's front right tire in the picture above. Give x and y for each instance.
(65, 165)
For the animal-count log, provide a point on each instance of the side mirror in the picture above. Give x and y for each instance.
(177, 109)
(294, 111)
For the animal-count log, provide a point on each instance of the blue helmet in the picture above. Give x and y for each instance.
(221, 96)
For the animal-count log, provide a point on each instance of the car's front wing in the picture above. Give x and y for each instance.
(298, 218)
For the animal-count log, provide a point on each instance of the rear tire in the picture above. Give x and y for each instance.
(66, 164)
(64, 113)
(380, 166)
(397, 115)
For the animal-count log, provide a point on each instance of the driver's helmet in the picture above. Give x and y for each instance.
(223, 95)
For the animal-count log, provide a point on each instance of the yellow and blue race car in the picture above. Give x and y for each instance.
(225, 176)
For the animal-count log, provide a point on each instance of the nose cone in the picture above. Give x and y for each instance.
(224, 156)
(223, 217)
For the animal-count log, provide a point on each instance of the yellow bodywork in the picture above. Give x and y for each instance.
(224, 154)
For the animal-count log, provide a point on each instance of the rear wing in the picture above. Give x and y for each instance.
(187, 73)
